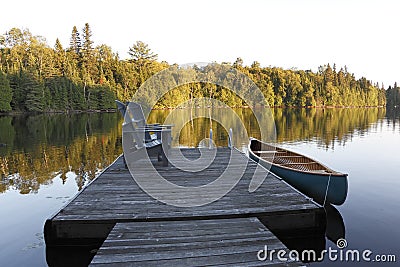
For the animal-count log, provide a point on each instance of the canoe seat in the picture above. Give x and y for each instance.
(268, 152)
(291, 156)
(299, 163)
(309, 166)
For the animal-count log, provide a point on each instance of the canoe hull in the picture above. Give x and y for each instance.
(311, 184)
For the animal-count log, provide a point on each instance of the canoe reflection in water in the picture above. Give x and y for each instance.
(298, 237)
(335, 228)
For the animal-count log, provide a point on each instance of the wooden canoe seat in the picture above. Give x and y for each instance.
(299, 163)
(268, 152)
(306, 166)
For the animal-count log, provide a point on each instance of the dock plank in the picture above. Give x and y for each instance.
(223, 242)
(115, 197)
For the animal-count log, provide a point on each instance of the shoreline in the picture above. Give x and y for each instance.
(16, 113)
(281, 107)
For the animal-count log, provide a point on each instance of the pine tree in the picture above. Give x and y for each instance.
(89, 70)
(87, 42)
(396, 95)
(140, 52)
(5, 93)
(35, 94)
(60, 58)
(18, 91)
(143, 60)
(75, 44)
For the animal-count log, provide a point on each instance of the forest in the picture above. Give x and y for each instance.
(35, 77)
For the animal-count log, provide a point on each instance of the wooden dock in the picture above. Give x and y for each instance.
(114, 199)
(234, 242)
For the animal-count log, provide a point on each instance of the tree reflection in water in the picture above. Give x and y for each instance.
(37, 148)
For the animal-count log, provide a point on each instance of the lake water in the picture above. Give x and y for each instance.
(47, 159)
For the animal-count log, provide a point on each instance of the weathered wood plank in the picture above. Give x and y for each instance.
(189, 243)
(115, 197)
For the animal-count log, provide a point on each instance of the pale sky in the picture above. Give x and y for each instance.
(364, 35)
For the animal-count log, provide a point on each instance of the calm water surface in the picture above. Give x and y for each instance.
(47, 159)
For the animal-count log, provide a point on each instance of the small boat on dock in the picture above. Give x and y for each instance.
(309, 176)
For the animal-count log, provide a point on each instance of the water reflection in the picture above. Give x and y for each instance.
(35, 149)
(393, 115)
(326, 127)
(335, 227)
(302, 236)
(38, 148)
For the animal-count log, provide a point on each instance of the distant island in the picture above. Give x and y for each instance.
(35, 77)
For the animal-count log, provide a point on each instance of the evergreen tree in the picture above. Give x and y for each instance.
(141, 53)
(393, 96)
(89, 70)
(5, 93)
(58, 90)
(75, 44)
(73, 57)
(35, 93)
(18, 91)
(144, 61)
(60, 59)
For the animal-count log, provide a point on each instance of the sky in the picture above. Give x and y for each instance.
(302, 34)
